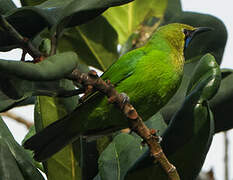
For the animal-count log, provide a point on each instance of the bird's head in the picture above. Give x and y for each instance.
(180, 35)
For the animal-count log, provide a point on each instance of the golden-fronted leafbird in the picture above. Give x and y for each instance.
(149, 75)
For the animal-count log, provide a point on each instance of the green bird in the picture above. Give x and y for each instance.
(149, 75)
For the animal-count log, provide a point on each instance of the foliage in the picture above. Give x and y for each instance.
(93, 29)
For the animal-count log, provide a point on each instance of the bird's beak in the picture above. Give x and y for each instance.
(200, 30)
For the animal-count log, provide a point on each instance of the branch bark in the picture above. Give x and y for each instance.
(17, 118)
(91, 82)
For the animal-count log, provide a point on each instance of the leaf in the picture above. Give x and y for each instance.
(123, 152)
(52, 13)
(14, 91)
(8, 165)
(55, 12)
(96, 48)
(222, 104)
(79, 12)
(31, 2)
(53, 68)
(30, 133)
(48, 110)
(127, 19)
(15, 157)
(191, 128)
(6, 5)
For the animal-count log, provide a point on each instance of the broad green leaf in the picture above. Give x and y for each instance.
(94, 42)
(191, 128)
(8, 165)
(123, 152)
(127, 19)
(222, 103)
(31, 2)
(30, 133)
(6, 5)
(115, 159)
(15, 154)
(79, 12)
(55, 12)
(48, 110)
(7, 43)
(14, 91)
(53, 68)
(52, 13)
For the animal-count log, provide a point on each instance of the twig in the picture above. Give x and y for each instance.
(226, 159)
(135, 121)
(17, 118)
(24, 43)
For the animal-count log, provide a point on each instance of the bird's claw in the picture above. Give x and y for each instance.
(125, 98)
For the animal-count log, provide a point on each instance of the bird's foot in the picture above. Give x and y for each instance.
(153, 132)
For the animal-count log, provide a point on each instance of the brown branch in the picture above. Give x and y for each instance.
(150, 137)
(17, 118)
(24, 43)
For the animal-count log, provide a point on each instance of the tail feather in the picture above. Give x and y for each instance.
(50, 140)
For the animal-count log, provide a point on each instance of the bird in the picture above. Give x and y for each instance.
(149, 75)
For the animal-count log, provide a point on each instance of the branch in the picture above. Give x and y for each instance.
(17, 118)
(91, 81)
(24, 43)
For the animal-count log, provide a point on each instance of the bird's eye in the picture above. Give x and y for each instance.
(188, 37)
(186, 32)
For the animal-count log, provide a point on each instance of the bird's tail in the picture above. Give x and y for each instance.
(50, 140)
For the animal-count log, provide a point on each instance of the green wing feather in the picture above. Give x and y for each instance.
(123, 67)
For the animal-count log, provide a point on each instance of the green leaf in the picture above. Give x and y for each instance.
(113, 163)
(222, 103)
(96, 48)
(191, 128)
(31, 2)
(123, 152)
(79, 12)
(8, 165)
(48, 110)
(53, 68)
(30, 133)
(14, 91)
(55, 12)
(6, 5)
(52, 13)
(14, 155)
(127, 19)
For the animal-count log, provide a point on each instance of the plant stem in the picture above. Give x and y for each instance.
(226, 159)
(17, 118)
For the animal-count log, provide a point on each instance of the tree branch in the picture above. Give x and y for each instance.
(24, 43)
(150, 137)
(17, 118)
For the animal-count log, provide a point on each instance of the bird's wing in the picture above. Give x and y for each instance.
(123, 67)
